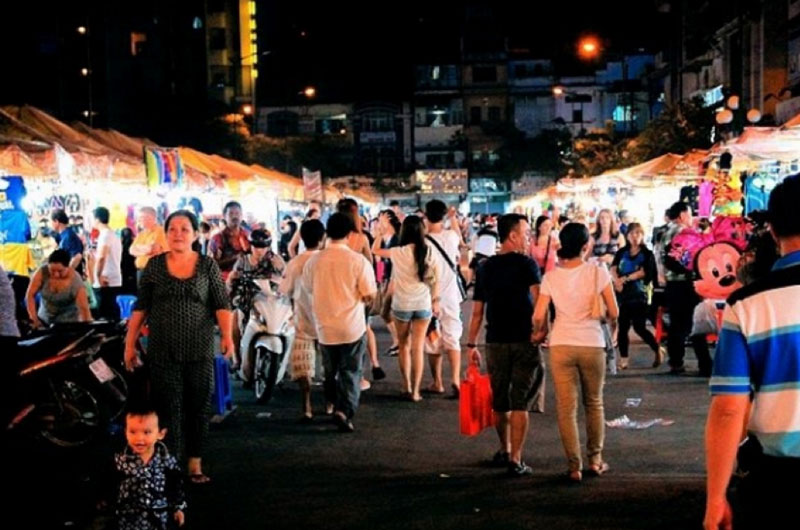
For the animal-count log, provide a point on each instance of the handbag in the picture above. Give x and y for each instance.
(475, 402)
(460, 280)
(376, 305)
(599, 310)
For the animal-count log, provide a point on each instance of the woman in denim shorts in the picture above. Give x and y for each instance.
(415, 299)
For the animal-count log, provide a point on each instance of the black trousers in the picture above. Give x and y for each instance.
(107, 307)
(182, 395)
(634, 313)
(767, 496)
(681, 300)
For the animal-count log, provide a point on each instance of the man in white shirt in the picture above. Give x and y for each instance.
(445, 245)
(107, 271)
(340, 281)
(304, 349)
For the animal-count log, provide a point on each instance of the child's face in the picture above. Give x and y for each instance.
(142, 433)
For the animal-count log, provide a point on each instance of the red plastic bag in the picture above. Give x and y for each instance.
(475, 402)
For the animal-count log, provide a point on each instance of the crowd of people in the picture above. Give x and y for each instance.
(539, 283)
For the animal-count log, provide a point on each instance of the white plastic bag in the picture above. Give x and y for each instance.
(705, 318)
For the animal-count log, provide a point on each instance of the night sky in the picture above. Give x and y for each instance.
(367, 52)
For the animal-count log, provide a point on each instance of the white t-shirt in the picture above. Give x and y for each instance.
(338, 279)
(485, 244)
(292, 286)
(112, 268)
(572, 292)
(410, 294)
(448, 288)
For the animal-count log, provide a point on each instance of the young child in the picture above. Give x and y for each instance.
(148, 480)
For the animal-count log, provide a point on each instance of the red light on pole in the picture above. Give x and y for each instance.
(588, 47)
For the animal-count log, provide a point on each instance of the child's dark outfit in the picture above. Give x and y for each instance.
(148, 495)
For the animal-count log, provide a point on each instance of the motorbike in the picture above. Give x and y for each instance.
(65, 385)
(267, 331)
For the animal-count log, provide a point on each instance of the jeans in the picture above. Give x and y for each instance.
(575, 367)
(107, 307)
(681, 300)
(633, 313)
(344, 365)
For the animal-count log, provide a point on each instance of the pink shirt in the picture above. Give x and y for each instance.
(538, 253)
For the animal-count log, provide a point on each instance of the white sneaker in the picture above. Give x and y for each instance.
(365, 385)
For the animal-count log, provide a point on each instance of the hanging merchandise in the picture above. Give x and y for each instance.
(757, 190)
(163, 167)
(15, 231)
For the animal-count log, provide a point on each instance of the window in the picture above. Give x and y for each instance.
(577, 115)
(283, 123)
(435, 72)
(138, 43)
(440, 160)
(494, 114)
(379, 121)
(475, 115)
(217, 39)
(623, 113)
(197, 23)
(330, 126)
(484, 74)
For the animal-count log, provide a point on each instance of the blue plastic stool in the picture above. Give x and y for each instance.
(221, 399)
(125, 303)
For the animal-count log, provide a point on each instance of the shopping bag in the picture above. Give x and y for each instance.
(475, 402)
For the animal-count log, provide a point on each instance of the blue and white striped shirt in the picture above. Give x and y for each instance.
(759, 352)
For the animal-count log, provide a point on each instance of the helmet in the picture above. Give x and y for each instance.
(260, 238)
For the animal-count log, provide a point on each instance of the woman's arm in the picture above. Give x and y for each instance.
(611, 304)
(380, 252)
(540, 318)
(30, 297)
(225, 323)
(82, 301)
(134, 328)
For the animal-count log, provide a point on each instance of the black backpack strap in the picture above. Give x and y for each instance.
(442, 252)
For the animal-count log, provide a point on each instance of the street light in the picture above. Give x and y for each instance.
(247, 109)
(588, 47)
(84, 72)
(82, 30)
(310, 92)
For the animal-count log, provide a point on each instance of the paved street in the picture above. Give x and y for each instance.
(407, 466)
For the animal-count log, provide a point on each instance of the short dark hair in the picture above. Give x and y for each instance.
(782, 207)
(507, 223)
(677, 209)
(59, 256)
(311, 232)
(60, 216)
(346, 205)
(394, 203)
(101, 214)
(205, 227)
(339, 226)
(183, 213)
(435, 211)
(229, 205)
(573, 237)
(141, 409)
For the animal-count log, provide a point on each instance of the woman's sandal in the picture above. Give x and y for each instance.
(595, 470)
(199, 478)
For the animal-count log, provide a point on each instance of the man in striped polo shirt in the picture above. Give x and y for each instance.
(758, 358)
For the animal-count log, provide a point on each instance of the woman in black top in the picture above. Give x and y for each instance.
(181, 296)
(390, 228)
(633, 268)
(607, 239)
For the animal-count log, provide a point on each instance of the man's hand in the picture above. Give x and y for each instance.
(718, 515)
(537, 337)
(227, 347)
(618, 284)
(104, 281)
(474, 356)
(180, 518)
(436, 308)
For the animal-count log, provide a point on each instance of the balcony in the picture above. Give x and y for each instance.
(435, 136)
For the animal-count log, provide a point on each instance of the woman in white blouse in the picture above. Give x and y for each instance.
(415, 299)
(577, 345)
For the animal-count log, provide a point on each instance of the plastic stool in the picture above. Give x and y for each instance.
(125, 303)
(660, 333)
(221, 400)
